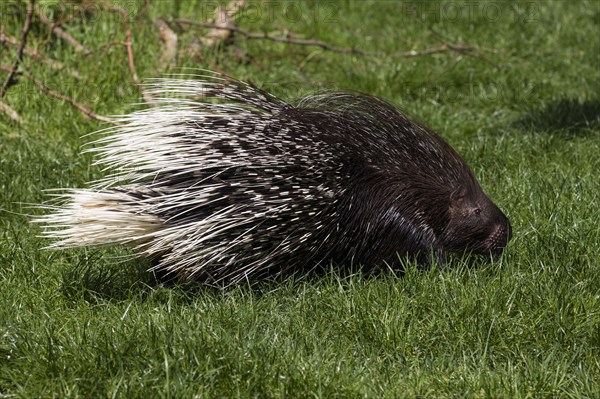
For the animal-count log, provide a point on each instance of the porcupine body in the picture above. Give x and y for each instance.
(223, 182)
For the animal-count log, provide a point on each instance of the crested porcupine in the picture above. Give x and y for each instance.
(224, 182)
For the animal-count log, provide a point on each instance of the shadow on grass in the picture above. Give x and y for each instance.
(567, 115)
(96, 278)
(93, 279)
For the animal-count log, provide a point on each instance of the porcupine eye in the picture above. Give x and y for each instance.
(477, 211)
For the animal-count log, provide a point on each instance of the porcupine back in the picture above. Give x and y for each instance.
(224, 182)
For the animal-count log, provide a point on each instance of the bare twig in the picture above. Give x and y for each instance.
(60, 20)
(35, 54)
(13, 70)
(130, 54)
(128, 42)
(168, 53)
(234, 7)
(457, 47)
(169, 39)
(128, 45)
(12, 114)
(224, 28)
(105, 48)
(470, 51)
(144, 8)
(433, 50)
(82, 108)
(266, 36)
(60, 32)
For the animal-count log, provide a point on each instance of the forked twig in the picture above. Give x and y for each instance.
(456, 47)
(266, 36)
(60, 32)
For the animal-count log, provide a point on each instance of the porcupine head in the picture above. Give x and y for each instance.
(428, 219)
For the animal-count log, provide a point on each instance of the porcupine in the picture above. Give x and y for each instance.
(224, 182)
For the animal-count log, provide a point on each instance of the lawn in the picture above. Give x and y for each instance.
(513, 86)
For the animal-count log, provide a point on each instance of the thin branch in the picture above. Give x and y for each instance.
(168, 54)
(12, 114)
(457, 47)
(130, 55)
(463, 49)
(60, 32)
(60, 20)
(82, 108)
(235, 7)
(224, 17)
(265, 36)
(13, 70)
(128, 41)
(219, 35)
(105, 48)
(52, 63)
(434, 50)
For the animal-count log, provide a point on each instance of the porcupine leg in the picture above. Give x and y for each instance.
(160, 274)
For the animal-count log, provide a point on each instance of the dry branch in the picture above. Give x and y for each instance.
(434, 50)
(463, 49)
(11, 113)
(20, 50)
(266, 36)
(128, 41)
(60, 32)
(6, 39)
(224, 27)
(130, 55)
(169, 39)
(82, 108)
(456, 47)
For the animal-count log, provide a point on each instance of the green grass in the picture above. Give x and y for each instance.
(92, 324)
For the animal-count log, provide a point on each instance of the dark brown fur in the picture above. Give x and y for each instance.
(409, 192)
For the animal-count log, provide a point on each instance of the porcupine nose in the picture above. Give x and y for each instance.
(499, 239)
